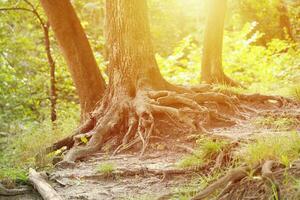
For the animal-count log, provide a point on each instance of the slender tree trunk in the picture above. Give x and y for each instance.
(284, 21)
(211, 69)
(85, 73)
(45, 27)
(53, 95)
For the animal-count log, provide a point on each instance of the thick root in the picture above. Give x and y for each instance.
(231, 177)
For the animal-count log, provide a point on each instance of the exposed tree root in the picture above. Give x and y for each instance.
(13, 192)
(133, 120)
(267, 174)
(221, 78)
(231, 177)
(146, 172)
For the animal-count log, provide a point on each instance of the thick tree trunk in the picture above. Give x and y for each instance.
(211, 69)
(85, 73)
(131, 59)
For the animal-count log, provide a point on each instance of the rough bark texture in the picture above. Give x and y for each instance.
(77, 52)
(211, 69)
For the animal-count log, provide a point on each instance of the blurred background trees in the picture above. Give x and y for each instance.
(260, 51)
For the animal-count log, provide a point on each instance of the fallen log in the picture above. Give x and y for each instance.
(41, 185)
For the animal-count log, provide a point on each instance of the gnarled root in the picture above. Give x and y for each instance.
(267, 174)
(231, 180)
(231, 177)
(133, 120)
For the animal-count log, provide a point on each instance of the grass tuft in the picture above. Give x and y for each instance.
(295, 92)
(106, 168)
(207, 148)
(283, 148)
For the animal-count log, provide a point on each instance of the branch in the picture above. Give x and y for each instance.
(15, 8)
(33, 11)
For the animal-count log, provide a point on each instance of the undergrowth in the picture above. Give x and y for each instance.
(18, 151)
(284, 148)
(271, 69)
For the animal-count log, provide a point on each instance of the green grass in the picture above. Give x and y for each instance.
(279, 123)
(106, 168)
(295, 92)
(26, 141)
(283, 148)
(188, 190)
(206, 149)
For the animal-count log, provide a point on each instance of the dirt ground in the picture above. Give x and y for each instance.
(151, 175)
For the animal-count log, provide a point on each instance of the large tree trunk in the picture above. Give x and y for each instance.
(211, 69)
(138, 101)
(70, 35)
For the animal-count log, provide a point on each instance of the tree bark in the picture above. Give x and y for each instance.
(132, 63)
(212, 69)
(77, 52)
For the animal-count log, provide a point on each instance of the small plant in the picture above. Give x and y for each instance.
(106, 168)
(295, 92)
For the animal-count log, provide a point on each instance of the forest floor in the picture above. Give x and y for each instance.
(158, 172)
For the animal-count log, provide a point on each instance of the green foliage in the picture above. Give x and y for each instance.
(106, 168)
(18, 151)
(269, 69)
(284, 148)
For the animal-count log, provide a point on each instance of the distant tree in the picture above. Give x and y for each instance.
(284, 21)
(211, 68)
(45, 27)
(77, 52)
